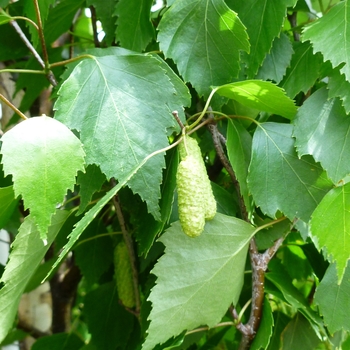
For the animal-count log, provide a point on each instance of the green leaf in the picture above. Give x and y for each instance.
(322, 130)
(277, 60)
(26, 255)
(299, 335)
(303, 71)
(109, 323)
(280, 180)
(330, 226)
(339, 87)
(90, 182)
(207, 270)
(134, 27)
(333, 299)
(263, 336)
(261, 95)
(43, 156)
(334, 48)
(204, 38)
(239, 144)
(125, 102)
(4, 17)
(263, 20)
(280, 322)
(8, 204)
(60, 341)
(104, 10)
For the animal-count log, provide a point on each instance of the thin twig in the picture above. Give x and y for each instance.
(94, 26)
(131, 251)
(176, 116)
(14, 108)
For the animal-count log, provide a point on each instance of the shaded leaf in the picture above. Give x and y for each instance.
(277, 60)
(204, 38)
(263, 20)
(278, 179)
(109, 323)
(124, 102)
(338, 86)
(134, 27)
(330, 226)
(322, 130)
(8, 204)
(239, 144)
(60, 341)
(280, 322)
(44, 172)
(260, 95)
(303, 71)
(26, 255)
(207, 270)
(333, 299)
(334, 48)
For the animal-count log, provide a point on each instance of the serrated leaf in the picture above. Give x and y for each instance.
(203, 36)
(123, 101)
(43, 156)
(330, 226)
(27, 253)
(260, 95)
(322, 130)
(277, 60)
(207, 270)
(7, 204)
(303, 71)
(333, 299)
(263, 20)
(104, 11)
(134, 27)
(335, 47)
(278, 179)
(338, 86)
(239, 144)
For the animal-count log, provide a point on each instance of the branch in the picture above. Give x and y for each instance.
(94, 26)
(131, 251)
(13, 107)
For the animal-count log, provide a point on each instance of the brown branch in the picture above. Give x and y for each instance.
(94, 26)
(12, 106)
(292, 18)
(131, 251)
(41, 33)
(35, 333)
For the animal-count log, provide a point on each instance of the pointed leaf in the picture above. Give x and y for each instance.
(263, 20)
(7, 204)
(261, 95)
(43, 157)
(278, 179)
(330, 226)
(134, 30)
(239, 145)
(334, 48)
(303, 71)
(207, 270)
(322, 130)
(277, 60)
(26, 255)
(333, 299)
(204, 38)
(339, 87)
(125, 102)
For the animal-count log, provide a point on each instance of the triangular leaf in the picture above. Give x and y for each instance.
(330, 226)
(333, 299)
(204, 38)
(134, 30)
(26, 255)
(260, 95)
(334, 48)
(43, 156)
(263, 20)
(207, 270)
(125, 102)
(278, 179)
(322, 130)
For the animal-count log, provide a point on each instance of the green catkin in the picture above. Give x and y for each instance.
(123, 275)
(196, 200)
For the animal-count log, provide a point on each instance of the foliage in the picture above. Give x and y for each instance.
(107, 93)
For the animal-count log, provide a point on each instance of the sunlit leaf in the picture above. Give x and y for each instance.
(7, 204)
(338, 86)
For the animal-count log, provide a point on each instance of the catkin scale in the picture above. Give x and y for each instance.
(196, 200)
(123, 275)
